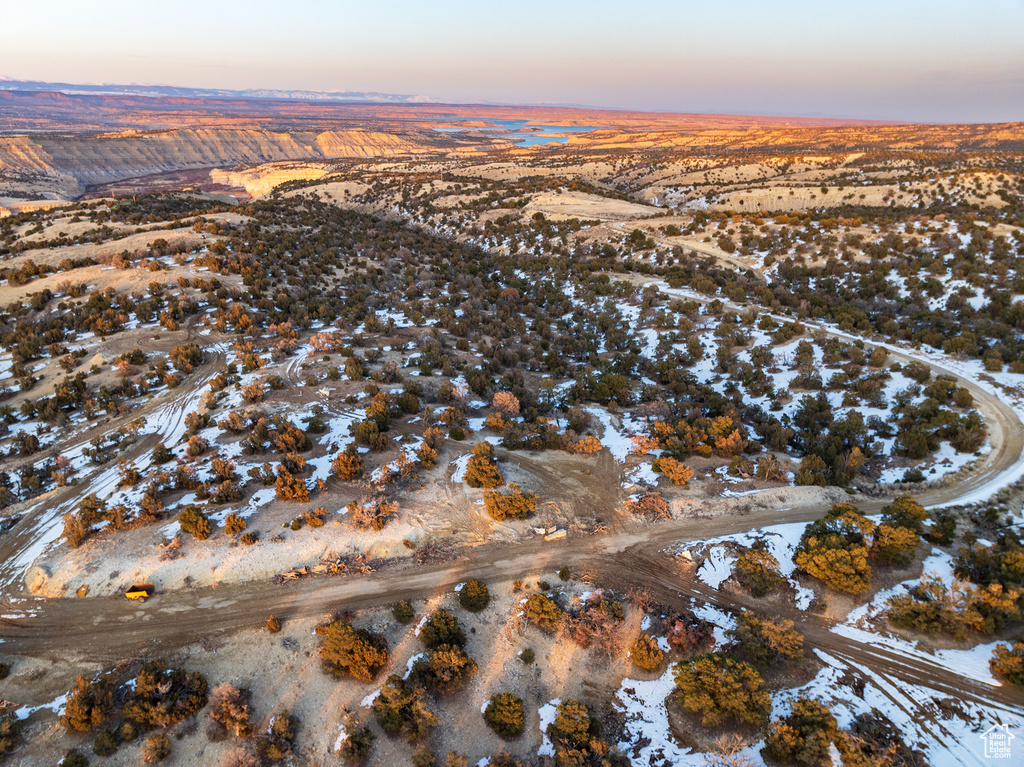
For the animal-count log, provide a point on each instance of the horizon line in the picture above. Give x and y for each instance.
(407, 100)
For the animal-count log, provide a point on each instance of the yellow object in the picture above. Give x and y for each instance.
(140, 591)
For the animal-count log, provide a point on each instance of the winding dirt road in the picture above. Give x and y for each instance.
(108, 629)
(1005, 429)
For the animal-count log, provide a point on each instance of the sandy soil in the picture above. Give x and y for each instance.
(295, 681)
(586, 206)
(335, 191)
(773, 198)
(495, 636)
(100, 278)
(576, 492)
(132, 243)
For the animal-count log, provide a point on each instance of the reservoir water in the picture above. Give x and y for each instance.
(533, 138)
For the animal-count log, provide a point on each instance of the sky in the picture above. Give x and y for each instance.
(916, 60)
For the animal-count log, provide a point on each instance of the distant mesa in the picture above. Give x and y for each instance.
(170, 91)
(64, 140)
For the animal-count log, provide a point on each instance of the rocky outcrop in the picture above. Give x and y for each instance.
(39, 582)
(10, 206)
(94, 160)
(261, 179)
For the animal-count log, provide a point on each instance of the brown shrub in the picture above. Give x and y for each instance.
(646, 654)
(597, 624)
(290, 487)
(88, 705)
(678, 472)
(434, 437)
(506, 403)
(229, 708)
(254, 392)
(515, 503)
(587, 445)
(196, 446)
(641, 444)
(234, 524)
(427, 455)
(348, 464)
(689, 634)
(373, 514)
(482, 468)
(649, 506)
(497, 422)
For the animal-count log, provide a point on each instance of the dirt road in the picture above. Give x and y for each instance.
(1006, 432)
(108, 629)
(697, 247)
(42, 518)
(655, 574)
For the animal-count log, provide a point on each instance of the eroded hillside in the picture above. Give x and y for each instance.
(53, 148)
(74, 163)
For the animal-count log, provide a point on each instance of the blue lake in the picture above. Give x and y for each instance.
(533, 138)
(536, 140)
